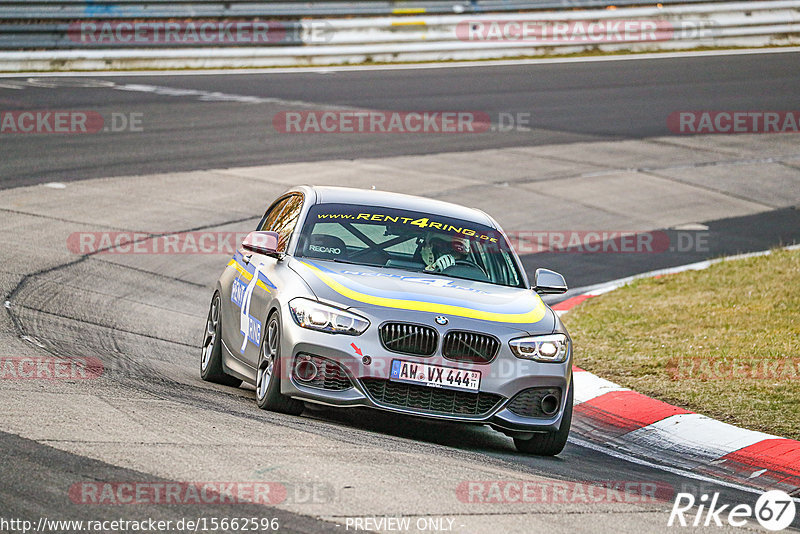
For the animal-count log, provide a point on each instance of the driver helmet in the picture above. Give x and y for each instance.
(437, 245)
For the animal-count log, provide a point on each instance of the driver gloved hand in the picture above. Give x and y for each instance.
(444, 261)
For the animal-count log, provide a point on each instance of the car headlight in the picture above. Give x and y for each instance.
(317, 316)
(550, 348)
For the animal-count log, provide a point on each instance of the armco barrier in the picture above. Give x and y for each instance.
(80, 34)
(71, 10)
(422, 38)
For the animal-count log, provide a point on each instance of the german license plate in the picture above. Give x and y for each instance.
(435, 375)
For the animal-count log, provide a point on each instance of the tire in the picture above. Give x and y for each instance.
(268, 376)
(550, 443)
(211, 356)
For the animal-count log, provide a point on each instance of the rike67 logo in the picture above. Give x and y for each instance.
(774, 510)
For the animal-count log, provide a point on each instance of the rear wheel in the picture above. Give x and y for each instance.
(268, 377)
(211, 359)
(549, 443)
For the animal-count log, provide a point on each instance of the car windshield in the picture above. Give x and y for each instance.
(409, 240)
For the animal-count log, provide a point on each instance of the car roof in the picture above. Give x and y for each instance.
(372, 197)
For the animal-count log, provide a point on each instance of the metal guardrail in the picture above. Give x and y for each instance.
(72, 10)
(51, 24)
(419, 38)
(64, 36)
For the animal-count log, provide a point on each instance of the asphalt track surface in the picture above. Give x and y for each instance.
(565, 102)
(77, 305)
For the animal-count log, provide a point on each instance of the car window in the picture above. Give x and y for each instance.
(393, 238)
(282, 217)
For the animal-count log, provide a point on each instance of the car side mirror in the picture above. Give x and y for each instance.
(547, 282)
(262, 243)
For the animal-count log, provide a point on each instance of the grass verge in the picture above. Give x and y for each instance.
(724, 342)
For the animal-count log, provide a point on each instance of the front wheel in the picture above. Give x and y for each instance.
(268, 376)
(549, 443)
(211, 359)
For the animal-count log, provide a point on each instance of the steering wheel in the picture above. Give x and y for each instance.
(469, 265)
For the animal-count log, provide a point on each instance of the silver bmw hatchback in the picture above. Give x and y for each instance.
(348, 297)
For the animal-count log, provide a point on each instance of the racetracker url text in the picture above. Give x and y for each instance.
(124, 526)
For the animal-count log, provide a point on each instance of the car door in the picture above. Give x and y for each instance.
(236, 280)
(261, 280)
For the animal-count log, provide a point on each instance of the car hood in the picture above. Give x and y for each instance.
(382, 290)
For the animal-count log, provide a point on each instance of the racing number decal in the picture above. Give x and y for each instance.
(241, 296)
(249, 326)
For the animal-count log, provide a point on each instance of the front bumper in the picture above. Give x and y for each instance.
(504, 377)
